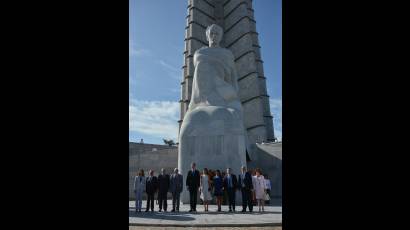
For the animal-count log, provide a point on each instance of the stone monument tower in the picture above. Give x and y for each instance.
(240, 36)
(236, 19)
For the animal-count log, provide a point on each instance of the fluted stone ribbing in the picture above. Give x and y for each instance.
(236, 17)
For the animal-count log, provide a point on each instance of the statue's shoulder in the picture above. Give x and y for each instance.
(202, 48)
(228, 52)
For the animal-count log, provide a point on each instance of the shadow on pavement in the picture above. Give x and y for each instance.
(181, 216)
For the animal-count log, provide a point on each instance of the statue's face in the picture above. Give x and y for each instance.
(214, 35)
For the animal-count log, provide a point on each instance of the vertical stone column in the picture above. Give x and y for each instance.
(200, 15)
(236, 17)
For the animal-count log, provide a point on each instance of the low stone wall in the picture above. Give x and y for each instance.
(149, 156)
(267, 157)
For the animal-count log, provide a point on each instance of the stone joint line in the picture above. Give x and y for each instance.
(197, 39)
(250, 32)
(233, 25)
(236, 7)
(203, 12)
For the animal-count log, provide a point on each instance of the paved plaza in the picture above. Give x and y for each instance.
(204, 228)
(270, 219)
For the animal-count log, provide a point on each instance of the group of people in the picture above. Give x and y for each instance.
(164, 183)
(209, 183)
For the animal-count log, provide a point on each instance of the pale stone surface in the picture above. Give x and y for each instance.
(149, 156)
(271, 217)
(205, 228)
(269, 158)
(212, 133)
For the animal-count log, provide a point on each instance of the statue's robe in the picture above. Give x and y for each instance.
(212, 133)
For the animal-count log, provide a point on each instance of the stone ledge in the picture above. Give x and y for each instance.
(209, 225)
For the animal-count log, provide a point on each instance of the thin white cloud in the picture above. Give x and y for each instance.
(276, 110)
(171, 70)
(154, 118)
(135, 52)
(168, 66)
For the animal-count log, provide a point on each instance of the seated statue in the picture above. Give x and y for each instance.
(212, 133)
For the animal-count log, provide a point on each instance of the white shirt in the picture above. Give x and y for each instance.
(267, 184)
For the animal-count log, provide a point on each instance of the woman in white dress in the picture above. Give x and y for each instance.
(205, 189)
(260, 189)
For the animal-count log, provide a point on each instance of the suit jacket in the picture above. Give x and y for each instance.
(247, 181)
(151, 185)
(163, 183)
(234, 182)
(193, 180)
(176, 183)
(139, 186)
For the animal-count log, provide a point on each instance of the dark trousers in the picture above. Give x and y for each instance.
(150, 201)
(175, 200)
(247, 199)
(193, 194)
(162, 200)
(231, 198)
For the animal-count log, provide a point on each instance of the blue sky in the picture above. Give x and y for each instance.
(156, 45)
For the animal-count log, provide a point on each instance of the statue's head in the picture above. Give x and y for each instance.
(214, 35)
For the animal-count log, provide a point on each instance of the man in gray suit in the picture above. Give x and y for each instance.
(176, 183)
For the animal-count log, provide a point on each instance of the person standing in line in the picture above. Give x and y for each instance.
(205, 189)
(260, 189)
(268, 187)
(218, 189)
(246, 186)
(192, 184)
(139, 188)
(176, 183)
(230, 185)
(163, 188)
(151, 186)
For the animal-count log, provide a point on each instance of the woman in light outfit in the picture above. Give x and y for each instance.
(205, 189)
(139, 188)
(260, 189)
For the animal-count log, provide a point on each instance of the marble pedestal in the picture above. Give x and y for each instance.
(213, 137)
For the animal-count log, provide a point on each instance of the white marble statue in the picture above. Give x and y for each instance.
(212, 133)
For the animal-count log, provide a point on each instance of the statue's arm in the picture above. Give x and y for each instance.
(234, 77)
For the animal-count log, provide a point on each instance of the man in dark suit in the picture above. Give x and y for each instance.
(230, 185)
(163, 187)
(246, 186)
(151, 187)
(176, 183)
(192, 184)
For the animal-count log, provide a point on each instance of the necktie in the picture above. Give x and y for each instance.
(140, 179)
